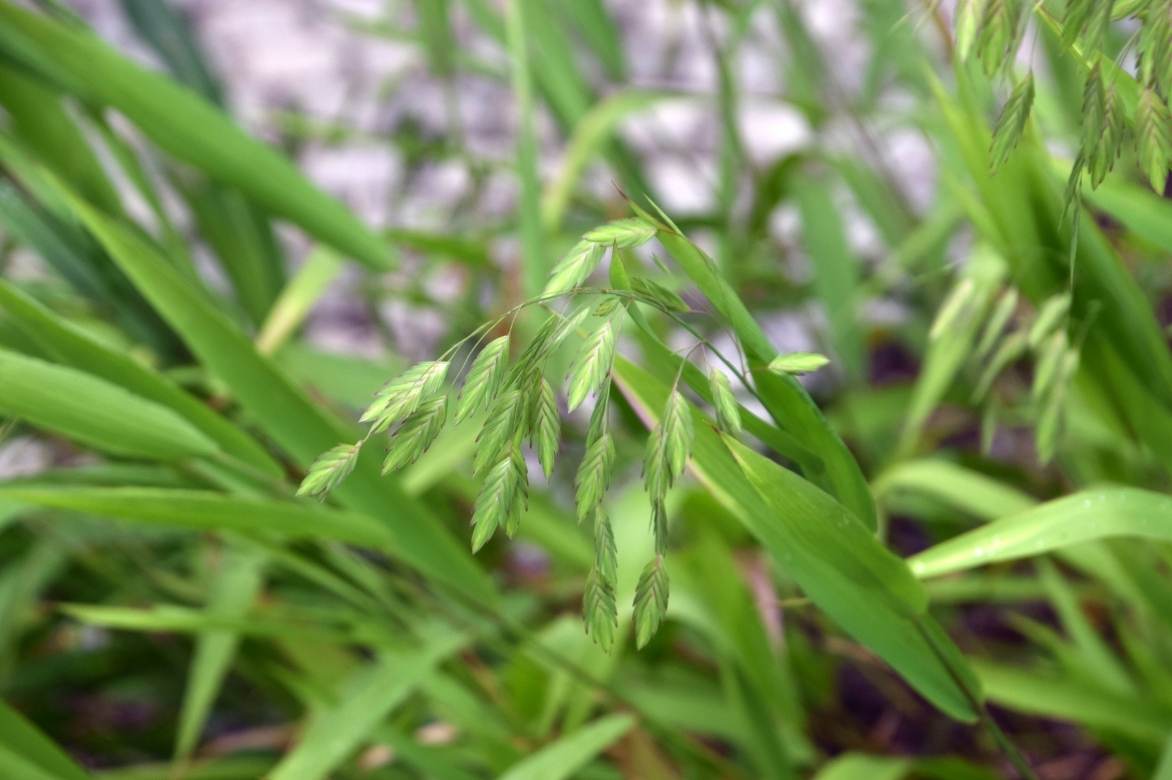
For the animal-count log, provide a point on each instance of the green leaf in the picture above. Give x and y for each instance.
(1011, 124)
(728, 412)
(417, 433)
(183, 124)
(651, 594)
(592, 366)
(198, 510)
(534, 261)
(836, 272)
(72, 346)
(826, 549)
(784, 398)
(1153, 130)
(365, 700)
(1082, 517)
(284, 412)
(573, 269)
(484, 378)
(593, 475)
(859, 766)
(329, 470)
(233, 591)
(1043, 693)
(546, 426)
(622, 233)
(21, 739)
(798, 363)
(291, 307)
(400, 397)
(572, 752)
(94, 412)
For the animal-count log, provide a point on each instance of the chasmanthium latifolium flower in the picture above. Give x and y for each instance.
(518, 405)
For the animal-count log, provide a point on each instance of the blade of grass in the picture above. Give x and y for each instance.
(183, 124)
(94, 412)
(836, 272)
(21, 738)
(285, 413)
(73, 347)
(786, 400)
(198, 510)
(572, 752)
(365, 700)
(827, 550)
(233, 591)
(303, 291)
(535, 264)
(1085, 516)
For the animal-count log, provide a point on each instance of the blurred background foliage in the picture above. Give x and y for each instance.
(223, 226)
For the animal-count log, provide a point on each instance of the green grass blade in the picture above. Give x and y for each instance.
(71, 346)
(589, 137)
(95, 412)
(38, 119)
(303, 291)
(785, 398)
(1037, 692)
(829, 552)
(166, 30)
(858, 766)
(233, 591)
(572, 752)
(535, 264)
(1099, 513)
(371, 693)
(284, 412)
(836, 272)
(242, 239)
(198, 510)
(183, 124)
(21, 738)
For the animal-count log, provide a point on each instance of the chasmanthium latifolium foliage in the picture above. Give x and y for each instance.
(1117, 105)
(519, 408)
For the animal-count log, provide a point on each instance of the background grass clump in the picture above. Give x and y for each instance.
(591, 389)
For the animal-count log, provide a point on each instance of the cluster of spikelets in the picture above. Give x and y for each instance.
(519, 406)
(1116, 105)
(1008, 333)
